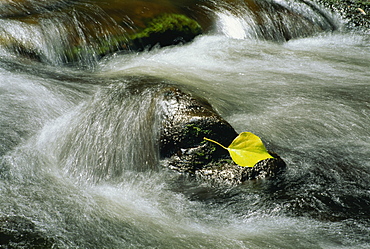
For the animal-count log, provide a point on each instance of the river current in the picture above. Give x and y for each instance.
(307, 98)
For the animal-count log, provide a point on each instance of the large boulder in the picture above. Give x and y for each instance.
(187, 120)
(84, 32)
(146, 122)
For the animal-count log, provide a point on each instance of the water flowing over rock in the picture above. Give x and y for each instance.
(19, 232)
(70, 32)
(149, 122)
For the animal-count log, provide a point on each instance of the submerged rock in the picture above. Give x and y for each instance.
(187, 119)
(20, 232)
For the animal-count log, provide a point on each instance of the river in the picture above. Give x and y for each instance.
(87, 183)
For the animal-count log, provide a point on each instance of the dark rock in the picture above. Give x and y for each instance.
(278, 22)
(20, 232)
(228, 172)
(165, 30)
(187, 120)
(151, 123)
(355, 12)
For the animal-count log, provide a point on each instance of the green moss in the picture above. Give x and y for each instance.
(194, 131)
(169, 22)
(100, 48)
(165, 29)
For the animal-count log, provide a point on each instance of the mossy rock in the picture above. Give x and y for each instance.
(165, 30)
(187, 120)
(98, 49)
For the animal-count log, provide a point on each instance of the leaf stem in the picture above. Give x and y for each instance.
(215, 142)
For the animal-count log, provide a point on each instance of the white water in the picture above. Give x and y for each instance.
(71, 140)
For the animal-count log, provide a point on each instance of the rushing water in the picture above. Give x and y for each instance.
(79, 155)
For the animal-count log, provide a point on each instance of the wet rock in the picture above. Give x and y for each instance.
(187, 119)
(20, 232)
(146, 122)
(22, 8)
(158, 31)
(355, 12)
(78, 32)
(83, 32)
(228, 172)
(165, 30)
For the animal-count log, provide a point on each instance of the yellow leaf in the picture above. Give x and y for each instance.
(246, 150)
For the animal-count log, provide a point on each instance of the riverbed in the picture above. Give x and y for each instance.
(307, 98)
